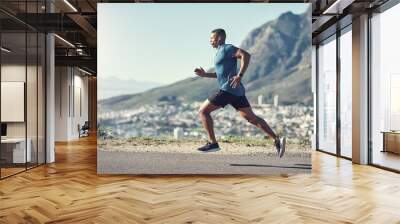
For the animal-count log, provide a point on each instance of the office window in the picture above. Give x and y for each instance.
(327, 96)
(346, 93)
(314, 92)
(385, 89)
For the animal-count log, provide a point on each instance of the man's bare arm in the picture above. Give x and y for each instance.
(244, 63)
(210, 75)
(244, 57)
(200, 72)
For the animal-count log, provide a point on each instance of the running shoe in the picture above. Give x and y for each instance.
(280, 144)
(209, 147)
(283, 146)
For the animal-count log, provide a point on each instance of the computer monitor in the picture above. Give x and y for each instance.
(3, 129)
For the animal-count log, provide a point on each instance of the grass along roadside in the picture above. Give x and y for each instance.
(229, 145)
(161, 140)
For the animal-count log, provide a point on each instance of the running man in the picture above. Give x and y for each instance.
(231, 91)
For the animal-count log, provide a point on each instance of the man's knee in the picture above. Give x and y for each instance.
(203, 112)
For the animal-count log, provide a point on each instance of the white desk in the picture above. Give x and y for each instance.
(18, 150)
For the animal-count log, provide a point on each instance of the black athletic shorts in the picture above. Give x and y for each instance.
(222, 98)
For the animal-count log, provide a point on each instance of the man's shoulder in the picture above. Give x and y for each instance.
(229, 49)
(227, 46)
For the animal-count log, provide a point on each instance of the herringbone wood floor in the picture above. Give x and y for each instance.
(70, 191)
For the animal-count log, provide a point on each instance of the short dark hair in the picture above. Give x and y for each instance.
(220, 32)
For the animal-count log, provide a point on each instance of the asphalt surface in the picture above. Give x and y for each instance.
(112, 162)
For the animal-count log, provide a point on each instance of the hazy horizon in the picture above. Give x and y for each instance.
(114, 86)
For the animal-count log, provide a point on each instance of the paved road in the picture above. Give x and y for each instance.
(109, 162)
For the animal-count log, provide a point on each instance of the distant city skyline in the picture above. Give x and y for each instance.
(166, 46)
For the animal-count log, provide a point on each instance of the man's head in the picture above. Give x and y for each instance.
(217, 37)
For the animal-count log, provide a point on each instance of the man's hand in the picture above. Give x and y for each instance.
(200, 72)
(235, 81)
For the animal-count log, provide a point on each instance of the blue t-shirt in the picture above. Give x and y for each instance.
(226, 68)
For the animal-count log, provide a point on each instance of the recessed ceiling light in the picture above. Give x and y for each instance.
(84, 71)
(5, 50)
(64, 40)
(70, 5)
(338, 6)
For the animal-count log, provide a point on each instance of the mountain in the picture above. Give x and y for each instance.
(110, 87)
(281, 59)
(280, 65)
(191, 89)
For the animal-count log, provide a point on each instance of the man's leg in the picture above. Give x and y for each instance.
(248, 114)
(205, 116)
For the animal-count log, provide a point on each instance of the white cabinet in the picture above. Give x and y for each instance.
(17, 145)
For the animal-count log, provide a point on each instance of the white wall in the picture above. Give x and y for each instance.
(12, 73)
(81, 89)
(70, 84)
(33, 126)
(62, 81)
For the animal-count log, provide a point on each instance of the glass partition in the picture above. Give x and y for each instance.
(14, 153)
(23, 91)
(346, 92)
(327, 95)
(32, 96)
(41, 86)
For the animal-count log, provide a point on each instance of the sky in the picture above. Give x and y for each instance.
(165, 42)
